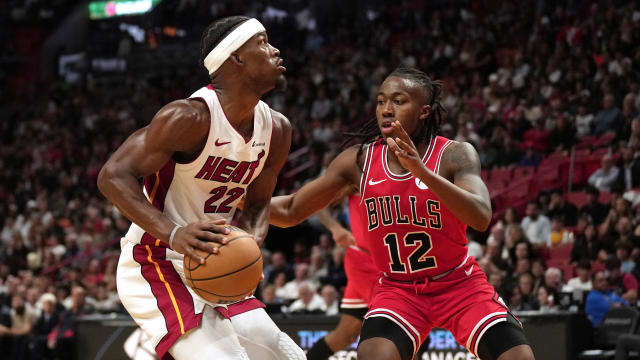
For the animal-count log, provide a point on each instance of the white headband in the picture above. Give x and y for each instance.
(231, 43)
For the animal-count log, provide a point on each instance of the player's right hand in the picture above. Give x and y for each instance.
(343, 237)
(200, 235)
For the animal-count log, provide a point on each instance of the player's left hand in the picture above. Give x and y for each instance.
(404, 149)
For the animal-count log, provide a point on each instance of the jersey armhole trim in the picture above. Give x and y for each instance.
(202, 154)
(365, 171)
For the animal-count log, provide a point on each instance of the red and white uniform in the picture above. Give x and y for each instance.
(421, 249)
(362, 274)
(150, 277)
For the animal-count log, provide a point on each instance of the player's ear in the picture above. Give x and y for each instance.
(235, 57)
(425, 111)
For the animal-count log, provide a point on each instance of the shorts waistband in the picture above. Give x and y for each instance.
(426, 279)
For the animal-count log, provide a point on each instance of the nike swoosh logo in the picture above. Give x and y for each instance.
(468, 272)
(371, 182)
(218, 143)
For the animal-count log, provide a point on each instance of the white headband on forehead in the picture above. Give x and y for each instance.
(231, 43)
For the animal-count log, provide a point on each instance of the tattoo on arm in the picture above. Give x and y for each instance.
(461, 159)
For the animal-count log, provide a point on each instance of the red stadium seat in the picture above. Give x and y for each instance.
(523, 171)
(605, 197)
(500, 174)
(604, 140)
(567, 272)
(562, 252)
(596, 266)
(577, 198)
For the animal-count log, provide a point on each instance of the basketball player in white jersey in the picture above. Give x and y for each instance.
(198, 158)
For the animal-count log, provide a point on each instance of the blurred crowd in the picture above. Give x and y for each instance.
(522, 80)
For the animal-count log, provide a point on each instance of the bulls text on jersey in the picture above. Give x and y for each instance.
(385, 211)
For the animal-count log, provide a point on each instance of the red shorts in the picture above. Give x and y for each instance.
(362, 275)
(462, 302)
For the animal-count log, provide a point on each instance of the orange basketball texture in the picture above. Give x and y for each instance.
(230, 274)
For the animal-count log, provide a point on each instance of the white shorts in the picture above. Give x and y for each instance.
(152, 287)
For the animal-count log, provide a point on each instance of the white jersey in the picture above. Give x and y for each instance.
(217, 179)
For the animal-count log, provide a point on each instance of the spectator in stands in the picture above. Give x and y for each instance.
(492, 256)
(513, 234)
(609, 119)
(522, 250)
(562, 136)
(330, 296)
(335, 273)
(278, 264)
(47, 321)
(268, 295)
(593, 207)
(279, 282)
(621, 283)
(525, 289)
(537, 141)
(105, 301)
(558, 206)
(309, 301)
(531, 157)
(629, 175)
(22, 321)
(582, 281)
(538, 269)
(291, 288)
(553, 279)
(623, 253)
(510, 217)
(583, 121)
(536, 226)
(496, 279)
(559, 233)
(600, 300)
(546, 298)
(605, 177)
(317, 267)
(300, 254)
(62, 339)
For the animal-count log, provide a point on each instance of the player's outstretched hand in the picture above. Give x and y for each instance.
(200, 235)
(404, 149)
(343, 237)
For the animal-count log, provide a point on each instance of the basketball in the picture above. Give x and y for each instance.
(230, 274)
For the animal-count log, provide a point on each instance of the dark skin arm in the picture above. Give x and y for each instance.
(179, 128)
(341, 176)
(255, 211)
(341, 236)
(459, 187)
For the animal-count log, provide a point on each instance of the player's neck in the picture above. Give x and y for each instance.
(238, 105)
(392, 159)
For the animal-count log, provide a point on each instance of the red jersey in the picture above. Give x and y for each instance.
(410, 233)
(357, 222)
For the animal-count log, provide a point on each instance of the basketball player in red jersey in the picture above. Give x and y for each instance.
(361, 278)
(418, 193)
(198, 157)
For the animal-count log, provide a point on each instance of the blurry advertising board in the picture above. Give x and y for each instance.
(108, 9)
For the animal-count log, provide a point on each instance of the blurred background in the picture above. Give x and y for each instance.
(546, 91)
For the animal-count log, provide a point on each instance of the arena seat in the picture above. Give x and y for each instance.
(561, 252)
(578, 198)
(604, 140)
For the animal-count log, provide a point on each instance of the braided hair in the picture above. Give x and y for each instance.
(433, 93)
(216, 31)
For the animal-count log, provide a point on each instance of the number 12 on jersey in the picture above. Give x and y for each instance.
(418, 259)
